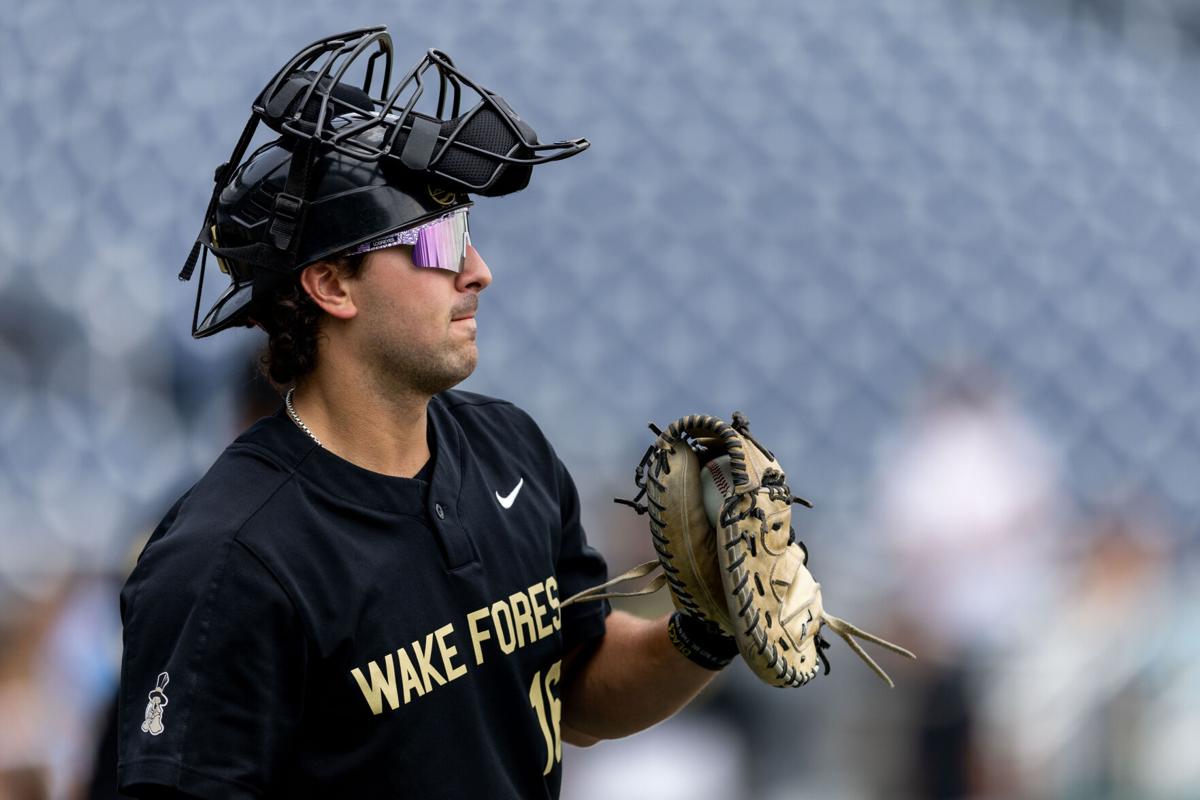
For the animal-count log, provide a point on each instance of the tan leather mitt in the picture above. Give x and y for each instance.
(735, 564)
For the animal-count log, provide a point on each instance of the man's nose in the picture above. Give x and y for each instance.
(475, 275)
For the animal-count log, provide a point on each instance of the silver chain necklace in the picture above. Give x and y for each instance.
(287, 401)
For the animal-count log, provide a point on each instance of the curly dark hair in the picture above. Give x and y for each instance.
(293, 325)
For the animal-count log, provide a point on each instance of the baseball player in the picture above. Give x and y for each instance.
(361, 598)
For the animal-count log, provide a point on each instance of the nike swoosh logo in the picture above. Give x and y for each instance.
(508, 499)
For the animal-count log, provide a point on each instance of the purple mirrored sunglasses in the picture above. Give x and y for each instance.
(440, 244)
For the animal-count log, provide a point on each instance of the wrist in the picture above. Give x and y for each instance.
(701, 642)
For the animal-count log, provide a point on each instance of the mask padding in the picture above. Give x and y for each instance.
(344, 99)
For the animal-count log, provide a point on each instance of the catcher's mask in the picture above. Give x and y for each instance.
(353, 164)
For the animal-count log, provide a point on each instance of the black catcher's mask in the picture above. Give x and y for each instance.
(353, 162)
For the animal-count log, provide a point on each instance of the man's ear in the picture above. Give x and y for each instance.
(328, 287)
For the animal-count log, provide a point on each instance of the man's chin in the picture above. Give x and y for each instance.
(428, 373)
(454, 375)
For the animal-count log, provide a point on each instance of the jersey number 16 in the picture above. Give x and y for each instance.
(550, 722)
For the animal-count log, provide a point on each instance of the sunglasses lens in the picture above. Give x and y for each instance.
(443, 244)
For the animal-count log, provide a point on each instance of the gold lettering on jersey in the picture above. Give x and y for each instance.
(552, 595)
(408, 676)
(506, 637)
(539, 610)
(379, 687)
(449, 651)
(478, 635)
(522, 617)
(503, 626)
(429, 673)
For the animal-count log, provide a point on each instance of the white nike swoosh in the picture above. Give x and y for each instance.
(508, 499)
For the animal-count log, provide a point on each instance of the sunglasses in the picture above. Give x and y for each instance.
(440, 244)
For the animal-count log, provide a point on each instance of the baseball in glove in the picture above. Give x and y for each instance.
(720, 513)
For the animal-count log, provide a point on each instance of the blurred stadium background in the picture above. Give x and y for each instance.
(968, 231)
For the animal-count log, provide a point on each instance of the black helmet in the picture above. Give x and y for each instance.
(349, 202)
(351, 166)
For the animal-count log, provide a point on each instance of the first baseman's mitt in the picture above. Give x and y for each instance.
(735, 564)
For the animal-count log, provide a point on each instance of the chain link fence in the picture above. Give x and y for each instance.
(802, 210)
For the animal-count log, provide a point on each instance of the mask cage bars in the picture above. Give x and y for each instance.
(340, 52)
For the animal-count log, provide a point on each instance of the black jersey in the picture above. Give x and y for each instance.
(300, 627)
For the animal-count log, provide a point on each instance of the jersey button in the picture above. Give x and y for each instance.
(437, 509)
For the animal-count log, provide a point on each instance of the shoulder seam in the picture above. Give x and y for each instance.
(264, 452)
(308, 631)
(237, 538)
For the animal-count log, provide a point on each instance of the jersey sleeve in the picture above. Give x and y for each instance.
(579, 567)
(212, 674)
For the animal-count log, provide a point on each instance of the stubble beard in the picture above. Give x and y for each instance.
(403, 369)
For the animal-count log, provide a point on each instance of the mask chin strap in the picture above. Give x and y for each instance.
(220, 178)
(268, 260)
(188, 267)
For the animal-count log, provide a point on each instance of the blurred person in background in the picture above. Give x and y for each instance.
(1064, 715)
(25, 704)
(57, 667)
(971, 510)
